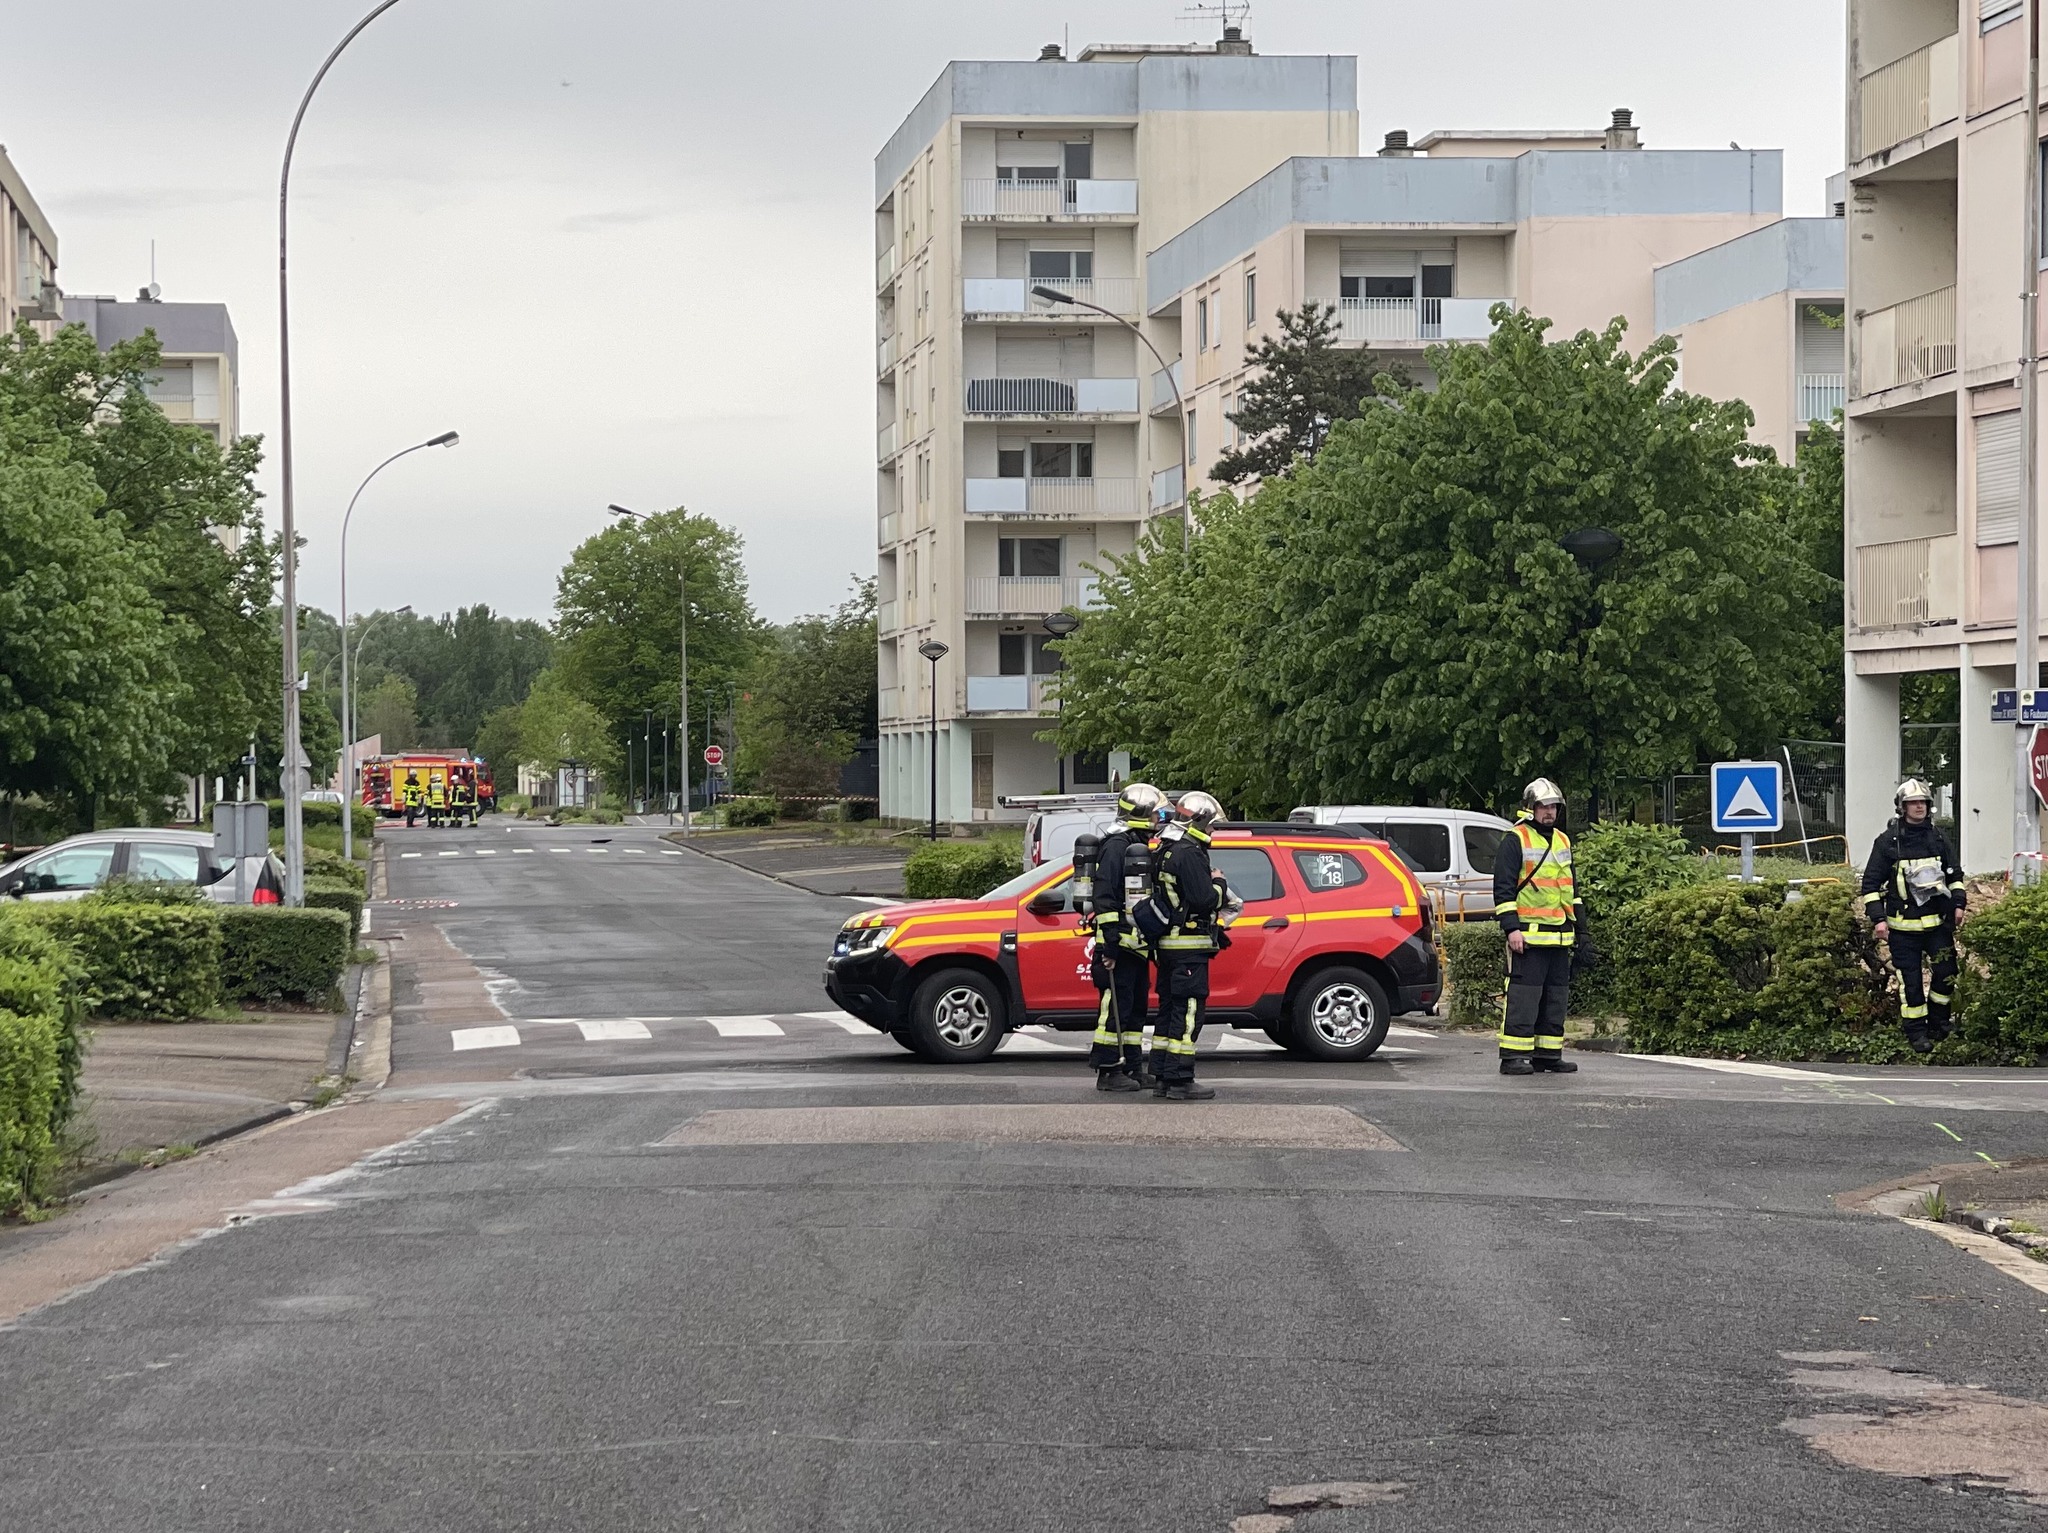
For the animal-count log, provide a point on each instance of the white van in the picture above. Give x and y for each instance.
(1449, 850)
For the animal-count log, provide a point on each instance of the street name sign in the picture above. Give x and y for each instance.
(2005, 706)
(2034, 707)
(1748, 797)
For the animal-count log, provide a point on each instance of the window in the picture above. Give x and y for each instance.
(1437, 281)
(1091, 771)
(1028, 557)
(1424, 844)
(1251, 299)
(1009, 463)
(983, 745)
(1079, 160)
(1062, 265)
(1388, 287)
(1327, 871)
(71, 867)
(1044, 660)
(166, 862)
(1191, 438)
(1248, 871)
(1998, 479)
(1026, 654)
(1201, 324)
(924, 476)
(1010, 175)
(1482, 843)
(1062, 460)
(1996, 13)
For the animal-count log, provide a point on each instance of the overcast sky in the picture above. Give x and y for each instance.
(625, 246)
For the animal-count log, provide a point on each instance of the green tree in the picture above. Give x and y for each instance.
(499, 739)
(1306, 382)
(617, 618)
(390, 709)
(556, 726)
(462, 665)
(811, 699)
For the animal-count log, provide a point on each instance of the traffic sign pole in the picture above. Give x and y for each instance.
(1748, 857)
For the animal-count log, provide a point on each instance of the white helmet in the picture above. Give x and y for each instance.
(1200, 810)
(1139, 801)
(1912, 788)
(1542, 791)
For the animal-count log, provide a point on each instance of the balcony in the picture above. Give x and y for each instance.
(1165, 383)
(1012, 694)
(1104, 498)
(1909, 584)
(1415, 319)
(888, 529)
(1052, 396)
(885, 267)
(1060, 198)
(1820, 396)
(886, 442)
(1906, 343)
(1027, 595)
(1906, 98)
(885, 354)
(885, 616)
(1169, 487)
(988, 296)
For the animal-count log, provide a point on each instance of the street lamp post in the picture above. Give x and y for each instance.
(2026, 671)
(683, 661)
(1054, 295)
(1592, 549)
(294, 808)
(934, 651)
(348, 715)
(1059, 625)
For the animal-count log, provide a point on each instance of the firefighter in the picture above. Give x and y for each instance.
(462, 799)
(437, 798)
(1190, 895)
(1537, 905)
(412, 796)
(1913, 891)
(1120, 964)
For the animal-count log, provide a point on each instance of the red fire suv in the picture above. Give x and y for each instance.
(1336, 939)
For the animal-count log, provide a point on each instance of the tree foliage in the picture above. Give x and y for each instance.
(460, 666)
(811, 699)
(1305, 384)
(1397, 621)
(557, 727)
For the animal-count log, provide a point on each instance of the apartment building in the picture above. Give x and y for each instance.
(1015, 441)
(28, 257)
(1415, 245)
(199, 381)
(1938, 162)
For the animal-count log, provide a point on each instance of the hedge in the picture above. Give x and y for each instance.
(2002, 1001)
(959, 870)
(1476, 964)
(271, 952)
(326, 864)
(319, 812)
(337, 894)
(41, 1050)
(145, 957)
(751, 811)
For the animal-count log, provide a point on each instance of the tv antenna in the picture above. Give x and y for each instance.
(1232, 13)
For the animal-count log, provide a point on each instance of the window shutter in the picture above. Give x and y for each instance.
(1820, 347)
(1998, 479)
(1994, 13)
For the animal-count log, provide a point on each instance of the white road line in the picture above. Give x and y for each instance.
(1238, 1043)
(367, 913)
(489, 851)
(745, 1027)
(558, 849)
(1030, 1043)
(596, 1032)
(1748, 1067)
(873, 899)
(852, 1025)
(449, 854)
(598, 851)
(484, 1038)
(402, 854)
(522, 851)
(666, 852)
(634, 851)
(1398, 1031)
(648, 1019)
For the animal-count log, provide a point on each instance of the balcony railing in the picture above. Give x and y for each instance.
(1907, 342)
(1062, 198)
(885, 354)
(1012, 694)
(1052, 497)
(885, 616)
(1052, 396)
(1013, 295)
(1169, 487)
(1908, 97)
(887, 529)
(1164, 382)
(1415, 319)
(1820, 396)
(885, 442)
(1909, 584)
(1027, 595)
(885, 266)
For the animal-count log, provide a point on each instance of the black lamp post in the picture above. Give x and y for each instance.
(1592, 549)
(934, 651)
(1059, 625)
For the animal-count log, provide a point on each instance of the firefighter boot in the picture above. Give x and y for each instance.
(1188, 1091)
(1517, 1065)
(1553, 1066)
(1117, 1080)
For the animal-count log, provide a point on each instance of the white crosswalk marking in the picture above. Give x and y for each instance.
(444, 854)
(484, 1038)
(558, 848)
(746, 1027)
(1031, 1043)
(402, 854)
(489, 851)
(597, 1032)
(599, 851)
(852, 1025)
(634, 851)
(522, 851)
(668, 852)
(1240, 1043)
(1396, 1030)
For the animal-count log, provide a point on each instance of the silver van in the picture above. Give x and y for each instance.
(1450, 851)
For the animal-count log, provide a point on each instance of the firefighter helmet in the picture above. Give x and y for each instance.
(1200, 810)
(1542, 791)
(1139, 801)
(1912, 788)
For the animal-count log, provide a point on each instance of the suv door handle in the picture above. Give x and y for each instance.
(1274, 923)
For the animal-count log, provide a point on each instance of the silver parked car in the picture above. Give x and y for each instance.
(74, 868)
(1449, 850)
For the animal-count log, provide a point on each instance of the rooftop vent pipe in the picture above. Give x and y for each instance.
(1050, 54)
(1234, 41)
(1397, 144)
(1621, 133)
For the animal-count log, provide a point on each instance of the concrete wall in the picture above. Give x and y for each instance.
(1792, 254)
(1582, 272)
(1902, 241)
(1882, 31)
(1746, 353)
(1901, 474)
(1989, 265)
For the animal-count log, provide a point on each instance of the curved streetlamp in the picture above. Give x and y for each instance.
(348, 707)
(934, 651)
(1059, 625)
(683, 658)
(1054, 295)
(294, 749)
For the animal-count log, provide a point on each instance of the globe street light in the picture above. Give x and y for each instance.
(683, 659)
(934, 651)
(348, 712)
(294, 808)
(1060, 625)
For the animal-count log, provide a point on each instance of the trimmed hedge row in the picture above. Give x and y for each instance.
(270, 953)
(321, 813)
(337, 894)
(958, 870)
(41, 1050)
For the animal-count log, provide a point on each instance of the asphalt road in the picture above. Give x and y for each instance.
(631, 1289)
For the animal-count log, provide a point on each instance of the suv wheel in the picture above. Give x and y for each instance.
(956, 1018)
(1340, 1014)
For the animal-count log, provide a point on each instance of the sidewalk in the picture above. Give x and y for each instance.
(813, 860)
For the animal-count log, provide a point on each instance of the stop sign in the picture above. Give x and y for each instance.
(714, 755)
(2037, 758)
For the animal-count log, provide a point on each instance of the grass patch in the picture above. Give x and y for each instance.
(1932, 1207)
(162, 1155)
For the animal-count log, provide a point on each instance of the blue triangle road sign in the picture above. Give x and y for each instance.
(1748, 796)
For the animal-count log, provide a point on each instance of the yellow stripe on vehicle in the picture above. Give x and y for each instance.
(1055, 936)
(1394, 866)
(1352, 915)
(942, 938)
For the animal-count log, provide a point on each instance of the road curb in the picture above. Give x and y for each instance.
(371, 1062)
(773, 878)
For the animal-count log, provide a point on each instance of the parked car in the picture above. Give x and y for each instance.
(1450, 850)
(1335, 940)
(73, 869)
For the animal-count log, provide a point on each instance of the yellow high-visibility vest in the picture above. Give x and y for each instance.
(1545, 893)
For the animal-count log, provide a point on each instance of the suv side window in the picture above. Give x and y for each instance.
(74, 867)
(1326, 872)
(164, 861)
(1248, 871)
(1425, 843)
(1482, 842)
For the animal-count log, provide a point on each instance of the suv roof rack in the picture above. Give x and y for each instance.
(1298, 831)
(1056, 800)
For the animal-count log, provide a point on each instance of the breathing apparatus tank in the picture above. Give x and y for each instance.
(1087, 858)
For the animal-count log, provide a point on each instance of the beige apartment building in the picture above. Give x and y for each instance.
(1015, 441)
(199, 381)
(1938, 162)
(28, 257)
